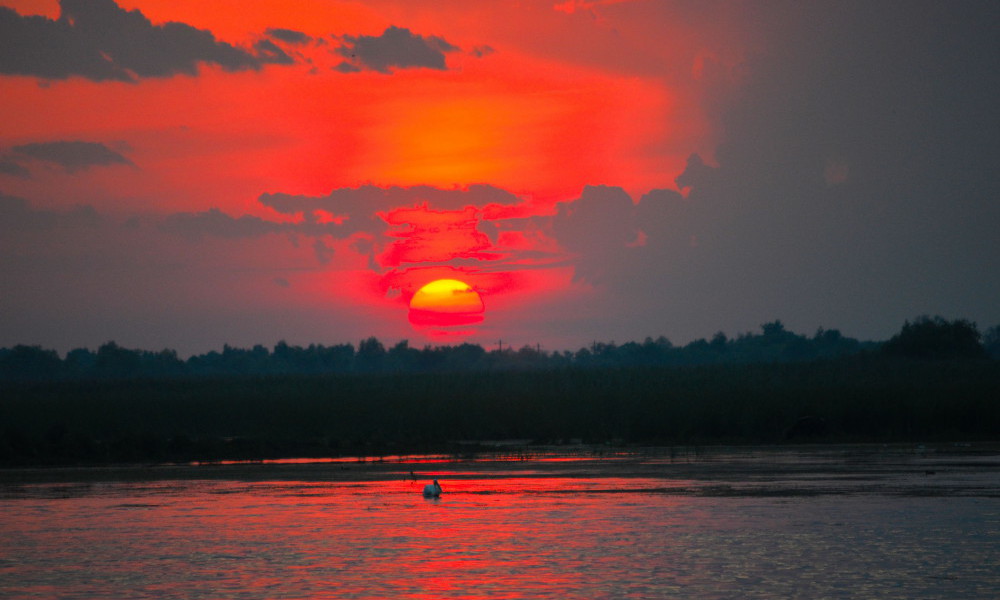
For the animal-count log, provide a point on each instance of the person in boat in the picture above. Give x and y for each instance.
(432, 490)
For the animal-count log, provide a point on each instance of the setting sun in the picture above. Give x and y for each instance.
(447, 296)
(446, 303)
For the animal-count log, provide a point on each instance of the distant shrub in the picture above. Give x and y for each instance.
(936, 338)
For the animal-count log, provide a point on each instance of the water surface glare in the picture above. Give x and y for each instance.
(530, 530)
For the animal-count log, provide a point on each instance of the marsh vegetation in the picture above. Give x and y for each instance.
(380, 406)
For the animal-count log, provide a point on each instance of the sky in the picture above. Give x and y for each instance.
(182, 174)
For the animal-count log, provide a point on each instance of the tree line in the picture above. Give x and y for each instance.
(932, 381)
(925, 337)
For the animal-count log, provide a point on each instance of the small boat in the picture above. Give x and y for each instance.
(432, 490)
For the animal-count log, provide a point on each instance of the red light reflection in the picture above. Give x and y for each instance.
(433, 236)
(368, 533)
(428, 245)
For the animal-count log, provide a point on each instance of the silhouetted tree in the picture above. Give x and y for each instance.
(936, 337)
(991, 341)
(719, 342)
(80, 362)
(774, 329)
(30, 362)
(338, 358)
(773, 344)
(115, 361)
(799, 348)
(370, 355)
(829, 343)
(403, 358)
(161, 364)
(698, 352)
(465, 356)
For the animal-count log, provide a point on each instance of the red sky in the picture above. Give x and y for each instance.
(368, 147)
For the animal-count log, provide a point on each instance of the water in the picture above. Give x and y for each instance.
(749, 524)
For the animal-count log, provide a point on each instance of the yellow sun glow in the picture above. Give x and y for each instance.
(447, 296)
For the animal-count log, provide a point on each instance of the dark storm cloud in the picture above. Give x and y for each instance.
(99, 40)
(856, 186)
(601, 216)
(72, 155)
(597, 228)
(289, 36)
(396, 48)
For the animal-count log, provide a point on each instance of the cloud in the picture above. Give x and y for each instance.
(436, 237)
(71, 155)
(17, 216)
(324, 253)
(289, 36)
(359, 206)
(215, 223)
(394, 227)
(346, 67)
(269, 52)
(10, 167)
(696, 174)
(597, 228)
(601, 216)
(99, 40)
(402, 225)
(481, 51)
(396, 48)
(588, 6)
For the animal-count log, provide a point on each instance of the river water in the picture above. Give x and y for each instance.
(751, 523)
